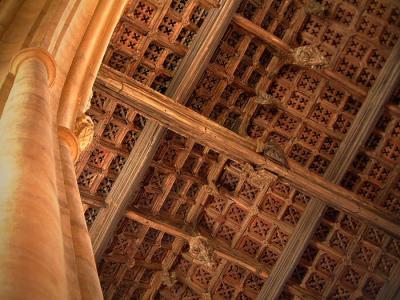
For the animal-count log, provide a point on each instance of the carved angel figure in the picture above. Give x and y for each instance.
(168, 278)
(84, 130)
(265, 99)
(200, 250)
(308, 56)
(313, 7)
(275, 152)
(84, 127)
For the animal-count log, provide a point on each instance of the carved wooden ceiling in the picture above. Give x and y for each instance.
(305, 205)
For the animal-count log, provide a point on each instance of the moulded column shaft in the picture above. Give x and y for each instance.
(86, 267)
(31, 247)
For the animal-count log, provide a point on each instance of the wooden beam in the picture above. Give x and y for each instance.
(130, 177)
(191, 124)
(276, 43)
(284, 50)
(119, 196)
(367, 116)
(293, 250)
(365, 121)
(232, 255)
(190, 219)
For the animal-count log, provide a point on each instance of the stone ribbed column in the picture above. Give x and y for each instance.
(82, 74)
(65, 219)
(85, 264)
(31, 246)
(8, 9)
(76, 90)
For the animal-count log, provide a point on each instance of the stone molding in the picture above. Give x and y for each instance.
(43, 55)
(70, 139)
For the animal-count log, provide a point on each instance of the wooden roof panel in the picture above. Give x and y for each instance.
(116, 129)
(347, 258)
(247, 217)
(374, 173)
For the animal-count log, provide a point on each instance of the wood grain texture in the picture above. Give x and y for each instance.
(367, 117)
(189, 123)
(132, 174)
(293, 251)
(125, 185)
(357, 135)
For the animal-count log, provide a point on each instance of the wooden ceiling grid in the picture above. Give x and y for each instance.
(266, 231)
(117, 128)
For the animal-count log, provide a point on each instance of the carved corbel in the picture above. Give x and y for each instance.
(261, 176)
(84, 128)
(131, 262)
(212, 188)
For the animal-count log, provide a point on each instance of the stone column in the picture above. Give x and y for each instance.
(8, 9)
(87, 61)
(76, 90)
(85, 264)
(32, 263)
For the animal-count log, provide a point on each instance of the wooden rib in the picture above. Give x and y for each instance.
(190, 124)
(232, 255)
(284, 50)
(119, 196)
(159, 224)
(367, 117)
(167, 264)
(293, 251)
(365, 121)
(138, 161)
